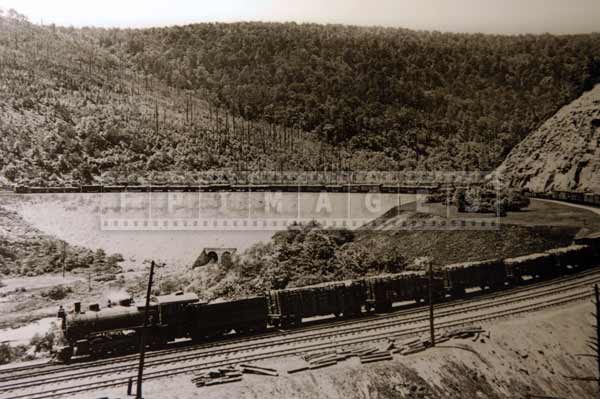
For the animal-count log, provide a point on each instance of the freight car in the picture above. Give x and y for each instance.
(116, 328)
(288, 307)
(577, 197)
(383, 291)
(528, 267)
(459, 277)
(208, 321)
(570, 258)
(592, 240)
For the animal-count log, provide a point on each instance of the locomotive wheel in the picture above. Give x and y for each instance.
(99, 346)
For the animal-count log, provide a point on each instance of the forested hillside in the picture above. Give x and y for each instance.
(73, 109)
(563, 154)
(158, 104)
(447, 100)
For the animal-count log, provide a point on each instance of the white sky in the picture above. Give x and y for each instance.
(488, 16)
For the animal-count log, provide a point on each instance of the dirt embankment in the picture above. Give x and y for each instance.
(533, 355)
(563, 154)
(517, 234)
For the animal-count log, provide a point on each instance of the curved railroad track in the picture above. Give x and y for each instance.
(565, 282)
(357, 331)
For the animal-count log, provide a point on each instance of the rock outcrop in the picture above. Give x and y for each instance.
(563, 154)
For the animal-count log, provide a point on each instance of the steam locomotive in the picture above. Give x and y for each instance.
(116, 328)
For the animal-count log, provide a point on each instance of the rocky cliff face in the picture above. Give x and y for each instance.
(563, 154)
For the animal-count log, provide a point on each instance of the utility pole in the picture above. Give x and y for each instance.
(143, 335)
(64, 258)
(431, 325)
(597, 315)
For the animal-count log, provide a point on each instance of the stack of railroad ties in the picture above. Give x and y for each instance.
(368, 354)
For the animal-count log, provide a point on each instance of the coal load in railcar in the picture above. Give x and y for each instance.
(528, 267)
(414, 285)
(383, 291)
(461, 276)
(570, 258)
(592, 240)
(288, 307)
(380, 292)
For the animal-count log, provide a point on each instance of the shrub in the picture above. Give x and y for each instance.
(57, 292)
(9, 354)
(43, 343)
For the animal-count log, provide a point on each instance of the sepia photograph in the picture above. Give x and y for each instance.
(307, 199)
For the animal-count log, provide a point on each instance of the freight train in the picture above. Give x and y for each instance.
(214, 187)
(576, 197)
(116, 328)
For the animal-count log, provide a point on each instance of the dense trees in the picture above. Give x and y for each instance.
(299, 256)
(156, 104)
(401, 93)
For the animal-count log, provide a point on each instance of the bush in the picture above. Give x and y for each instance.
(57, 292)
(9, 354)
(115, 258)
(488, 200)
(43, 343)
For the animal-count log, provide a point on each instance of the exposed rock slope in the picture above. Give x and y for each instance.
(564, 153)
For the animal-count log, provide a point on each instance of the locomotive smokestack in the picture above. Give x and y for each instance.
(63, 317)
(77, 307)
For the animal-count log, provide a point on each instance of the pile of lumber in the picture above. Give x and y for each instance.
(371, 355)
(218, 376)
(419, 344)
(224, 375)
(326, 359)
(254, 369)
(466, 332)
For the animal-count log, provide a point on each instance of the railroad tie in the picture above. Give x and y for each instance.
(319, 365)
(252, 369)
(298, 369)
(378, 358)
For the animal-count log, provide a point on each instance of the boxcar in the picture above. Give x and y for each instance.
(216, 319)
(488, 273)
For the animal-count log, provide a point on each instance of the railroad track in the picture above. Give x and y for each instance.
(495, 308)
(565, 282)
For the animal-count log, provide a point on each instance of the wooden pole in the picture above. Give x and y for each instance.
(597, 297)
(64, 258)
(431, 324)
(143, 335)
